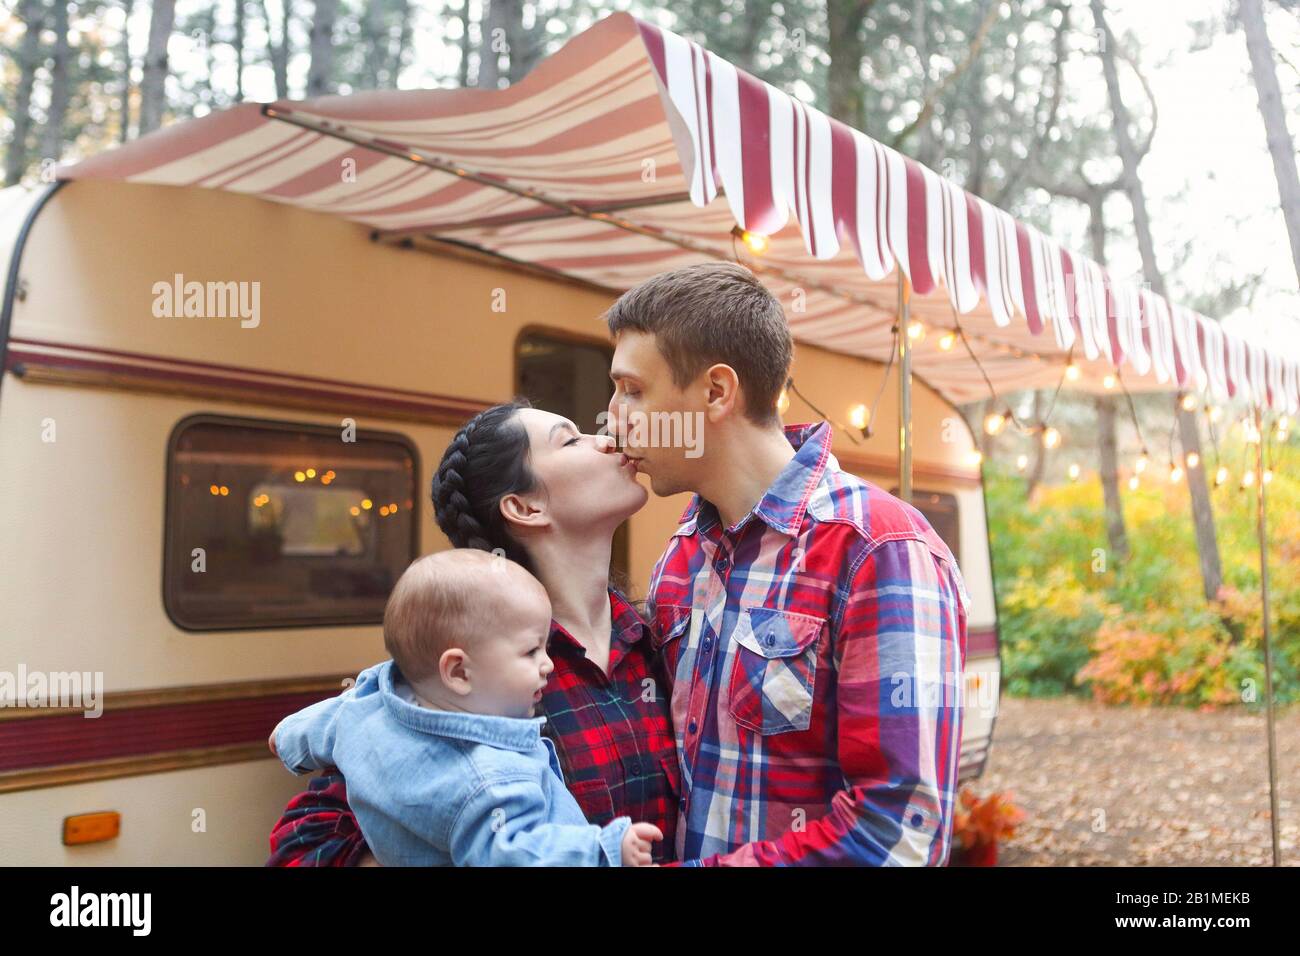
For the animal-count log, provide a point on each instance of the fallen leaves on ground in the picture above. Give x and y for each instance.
(1121, 786)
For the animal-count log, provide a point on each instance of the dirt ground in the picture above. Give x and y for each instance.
(1133, 787)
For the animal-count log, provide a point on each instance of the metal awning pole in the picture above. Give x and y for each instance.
(904, 390)
(1261, 522)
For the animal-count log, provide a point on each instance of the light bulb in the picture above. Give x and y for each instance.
(1072, 372)
(1248, 478)
(1133, 482)
(1189, 402)
(1022, 462)
(1193, 459)
(1108, 381)
(915, 330)
(1141, 464)
(1220, 476)
(1051, 438)
(947, 341)
(994, 421)
(1175, 473)
(858, 416)
(1074, 472)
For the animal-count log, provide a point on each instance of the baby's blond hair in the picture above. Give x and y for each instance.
(446, 600)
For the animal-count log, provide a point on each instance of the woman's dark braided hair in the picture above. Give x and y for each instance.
(487, 460)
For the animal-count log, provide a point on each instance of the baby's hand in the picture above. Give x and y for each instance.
(636, 843)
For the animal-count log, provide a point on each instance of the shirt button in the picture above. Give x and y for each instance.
(634, 767)
(691, 727)
(721, 564)
(682, 803)
(708, 641)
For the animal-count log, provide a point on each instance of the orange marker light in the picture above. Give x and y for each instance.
(91, 827)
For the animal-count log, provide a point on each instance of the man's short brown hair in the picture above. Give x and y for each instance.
(709, 313)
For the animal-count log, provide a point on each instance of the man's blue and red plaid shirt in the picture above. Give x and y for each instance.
(816, 651)
(611, 733)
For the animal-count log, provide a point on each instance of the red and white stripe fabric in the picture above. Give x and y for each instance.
(635, 120)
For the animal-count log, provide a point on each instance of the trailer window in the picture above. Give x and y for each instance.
(940, 510)
(276, 524)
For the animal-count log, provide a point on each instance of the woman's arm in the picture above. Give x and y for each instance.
(318, 828)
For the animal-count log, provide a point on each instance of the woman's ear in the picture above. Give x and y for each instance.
(521, 511)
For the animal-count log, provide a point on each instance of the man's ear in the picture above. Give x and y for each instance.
(453, 668)
(723, 394)
(522, 512)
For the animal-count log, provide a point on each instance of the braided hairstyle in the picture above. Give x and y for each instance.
(487, 460)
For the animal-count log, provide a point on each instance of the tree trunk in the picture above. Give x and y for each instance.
(28, 58)
(1116, 534)
(239, 50)
(464, 43)
(403, 42)
(1040, 453)
(52, 133)
(277, 50)
(1207, 544)
(153, 95)
(1280, 145)
(846, 48)
(489, 52)
(124, 133)
(373, 30)
(320, 75)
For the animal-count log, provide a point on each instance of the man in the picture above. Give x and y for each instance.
(813, 627)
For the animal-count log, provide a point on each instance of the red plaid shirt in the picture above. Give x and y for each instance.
(612, 734)
(816, 652)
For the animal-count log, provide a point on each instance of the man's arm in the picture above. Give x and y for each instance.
(899, 654)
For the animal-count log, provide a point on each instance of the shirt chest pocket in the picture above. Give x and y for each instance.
(775, 669)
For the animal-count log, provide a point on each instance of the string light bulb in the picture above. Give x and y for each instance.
(1193, 459)
(1074, 472)
(1051, 437)
(916, 330)
(1189, 402)
(1220, 476)
(1133, 482)
(1109, 381)
(1268, 475)
(947, 341)
(974, 457)
(1248, 479)
(1215, 413)
(1022, 462)
(1140, 465)
(756, 242)
(994, 422)
(1072, 372)
(1175, 472)
(858, 416)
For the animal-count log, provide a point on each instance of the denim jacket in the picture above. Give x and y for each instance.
(440, 788)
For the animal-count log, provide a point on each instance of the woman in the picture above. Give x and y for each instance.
(527, 484)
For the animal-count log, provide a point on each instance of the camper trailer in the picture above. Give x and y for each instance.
(205, 508)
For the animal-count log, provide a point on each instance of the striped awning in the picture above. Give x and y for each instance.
(632, 151)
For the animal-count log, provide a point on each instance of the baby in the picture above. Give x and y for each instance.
(444, 761)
